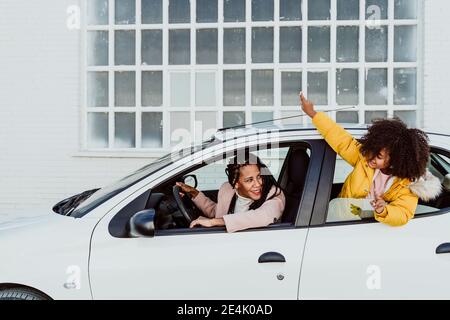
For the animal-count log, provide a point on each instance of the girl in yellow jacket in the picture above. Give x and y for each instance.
(389, 165)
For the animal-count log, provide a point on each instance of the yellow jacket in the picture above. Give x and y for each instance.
(402, 202)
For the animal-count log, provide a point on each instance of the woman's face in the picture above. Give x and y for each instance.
(380, 161)
(250, 182)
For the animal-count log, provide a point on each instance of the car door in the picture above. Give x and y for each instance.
(370, 260)
(202, 263)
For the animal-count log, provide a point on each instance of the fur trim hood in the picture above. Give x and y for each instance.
(427, 187)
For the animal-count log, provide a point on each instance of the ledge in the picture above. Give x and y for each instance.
(119, 154)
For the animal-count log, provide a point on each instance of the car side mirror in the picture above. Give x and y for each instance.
(142, 224)
(190, 180)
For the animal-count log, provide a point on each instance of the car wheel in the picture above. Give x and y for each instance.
(21, 294)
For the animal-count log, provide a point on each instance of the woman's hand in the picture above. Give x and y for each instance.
(307, 106)
(207, 222)
(187, 189)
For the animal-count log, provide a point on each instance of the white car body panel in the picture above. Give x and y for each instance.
(376, 261)
(46, 252)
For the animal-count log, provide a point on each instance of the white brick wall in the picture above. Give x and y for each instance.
(39, 110)
(436, 49)
(40, 103)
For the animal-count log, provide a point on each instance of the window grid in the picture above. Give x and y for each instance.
(304, 66)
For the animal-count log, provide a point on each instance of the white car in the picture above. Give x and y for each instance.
(130, 240)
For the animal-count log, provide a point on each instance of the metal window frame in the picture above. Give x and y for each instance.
(304, 67)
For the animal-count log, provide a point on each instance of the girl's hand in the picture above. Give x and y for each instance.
(187, 189)
(378, 204)
(207, 222)
(307, 106)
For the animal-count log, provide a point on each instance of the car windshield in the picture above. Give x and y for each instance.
(113, 189)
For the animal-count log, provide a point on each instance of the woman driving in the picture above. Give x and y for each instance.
(251, 198)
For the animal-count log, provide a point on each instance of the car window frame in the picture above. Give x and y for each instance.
(316, 147)
(320, 211)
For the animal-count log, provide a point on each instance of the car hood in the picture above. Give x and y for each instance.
(7, 222)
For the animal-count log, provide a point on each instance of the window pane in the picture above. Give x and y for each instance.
(179, 11)
(234, 45)
(97, 48)
(348, 9)
(180, 89)
(152, 88)
(347, 117)
(347, 86)
(179, 47)
(124, 51)
(376, 44)
(262, 10)
(205, 89)
(125, 89)
(97, 89)
(291, 85)
(97, 130)
(376, 87)
(291, 44)
(234, 10)
(125, 130)
(408, 117)
(180, 128)
(405, 45)
(207, 46)
(376, 9)
(206, 10)
(405, 86)
(262, 116)
(152, 130)
(372, 115)
(297, 120)
(151, 47)
(347, 45)
(125, 11)
(262, 45)
(318, 87)
(319, 44)
(205, 125)
(233, 118)
(319, 9)
(97, 12)
(234, 88)
(151, 11)
(290, 10)
(262, 87)
(405, 9)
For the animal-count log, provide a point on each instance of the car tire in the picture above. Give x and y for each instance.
(21, 294)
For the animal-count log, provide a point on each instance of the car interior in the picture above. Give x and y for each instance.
(169, 215)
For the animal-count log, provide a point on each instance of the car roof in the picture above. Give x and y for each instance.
(436, 138)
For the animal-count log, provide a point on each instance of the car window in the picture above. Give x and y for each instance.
(212, 176)
(351, 209)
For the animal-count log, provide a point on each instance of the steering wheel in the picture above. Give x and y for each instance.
(187, 212)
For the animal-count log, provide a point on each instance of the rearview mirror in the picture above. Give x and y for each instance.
(142, 224)
(190, 180)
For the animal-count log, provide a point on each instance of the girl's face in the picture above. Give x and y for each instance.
(380, 161)
(250, 182)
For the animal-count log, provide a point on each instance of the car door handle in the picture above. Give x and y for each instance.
(443, 248)
(271, 257)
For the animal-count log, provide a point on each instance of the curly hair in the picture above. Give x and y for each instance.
(408, 148)
(268, 181)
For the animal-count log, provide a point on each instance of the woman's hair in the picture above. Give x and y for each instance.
(408, 149)
(268, 181)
